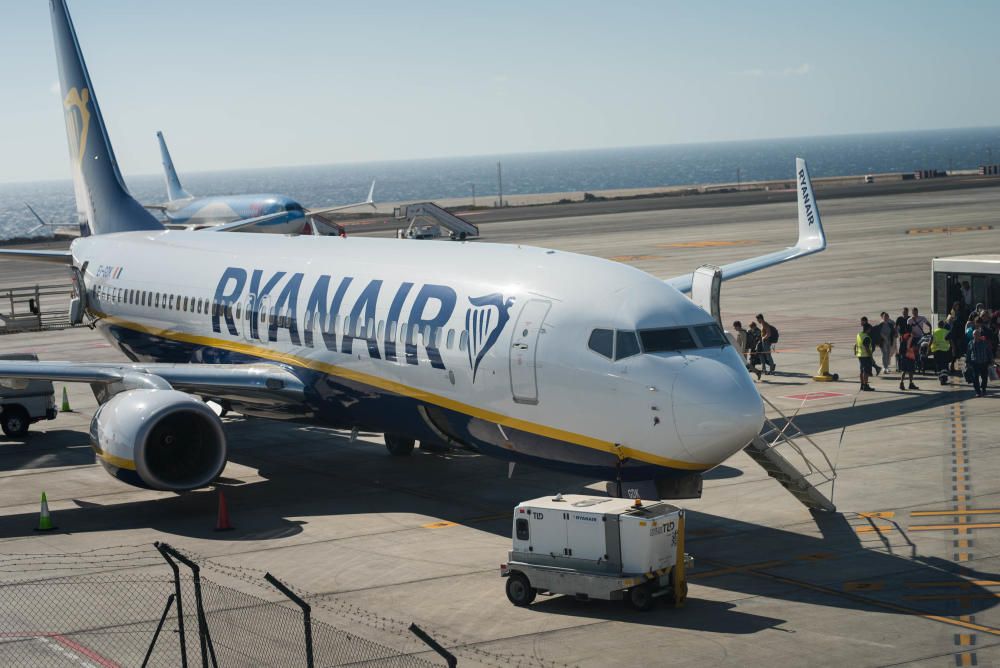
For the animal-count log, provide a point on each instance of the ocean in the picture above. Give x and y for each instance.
(528, 173)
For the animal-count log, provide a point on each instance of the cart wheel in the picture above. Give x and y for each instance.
(519, 591)
(14, 421)
(641, 597)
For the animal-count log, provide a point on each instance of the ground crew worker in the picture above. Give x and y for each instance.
(863, 350)
(941, 347)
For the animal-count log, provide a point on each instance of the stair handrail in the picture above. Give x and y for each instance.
(784, 438)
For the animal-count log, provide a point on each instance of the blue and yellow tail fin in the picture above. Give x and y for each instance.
(103, 203)
(175, 190)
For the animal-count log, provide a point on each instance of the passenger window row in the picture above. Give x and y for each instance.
(617, 344)
(407, 334)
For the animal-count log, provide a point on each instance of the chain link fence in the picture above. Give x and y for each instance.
(138, 608)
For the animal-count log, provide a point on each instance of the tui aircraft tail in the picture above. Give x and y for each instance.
(175, 190)
(103, 203)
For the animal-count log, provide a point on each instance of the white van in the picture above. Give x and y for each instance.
(27, 403)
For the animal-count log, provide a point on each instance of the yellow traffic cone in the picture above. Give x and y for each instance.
(65, 406)
(44, 519)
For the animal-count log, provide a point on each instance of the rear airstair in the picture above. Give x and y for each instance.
(427, 220)
(779, 447)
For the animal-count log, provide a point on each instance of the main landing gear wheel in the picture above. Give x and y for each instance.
(14, 421)
(519, 590)
(398, 446)
(641, 597)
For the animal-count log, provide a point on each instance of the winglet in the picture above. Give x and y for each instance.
(811, 240)
(175, 190)
(371, 195)
(811, 236)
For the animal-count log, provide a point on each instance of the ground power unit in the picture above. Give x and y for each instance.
(597, 547)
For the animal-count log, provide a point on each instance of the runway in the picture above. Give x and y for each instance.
(907, 572)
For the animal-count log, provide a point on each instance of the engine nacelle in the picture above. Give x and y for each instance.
(162, 439)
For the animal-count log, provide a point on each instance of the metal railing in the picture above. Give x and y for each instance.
(35, 307)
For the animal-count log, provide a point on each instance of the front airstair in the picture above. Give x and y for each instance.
(427, 219)
(779, 449)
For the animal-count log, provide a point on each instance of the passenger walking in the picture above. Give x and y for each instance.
(863, 350)
(753, 349)
(981, 357)
(941, 349)
(768, 337)
(908, 351)
(900, 326)
(887, 340)
(956, 333)
(919, 325)
(741, 339)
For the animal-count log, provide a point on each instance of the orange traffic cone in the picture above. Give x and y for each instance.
(44, 519)
(222, 523)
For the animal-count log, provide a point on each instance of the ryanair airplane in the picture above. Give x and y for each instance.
(527, 354)
(276, 214)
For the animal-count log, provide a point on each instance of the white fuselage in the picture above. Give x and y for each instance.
(486, 344)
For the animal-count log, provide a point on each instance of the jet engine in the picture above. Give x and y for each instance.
(161, 439)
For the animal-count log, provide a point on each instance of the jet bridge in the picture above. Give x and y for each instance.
(427, 220)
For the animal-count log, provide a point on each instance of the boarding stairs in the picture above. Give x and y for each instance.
(780, 447)
(423, 214)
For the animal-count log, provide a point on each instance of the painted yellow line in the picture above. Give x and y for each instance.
(945, 527)
(937, 513)
(438, 525)
(734, 569)
(884, 514)
(964, 623)
(412, 392)
(966, 659)
(873, 529)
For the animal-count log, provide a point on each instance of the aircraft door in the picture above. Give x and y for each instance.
(259, 318)
(78, 300)
(243, 311)
(706, 286)
(524, 349)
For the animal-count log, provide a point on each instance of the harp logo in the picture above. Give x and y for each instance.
(484, 323)
(78, 122)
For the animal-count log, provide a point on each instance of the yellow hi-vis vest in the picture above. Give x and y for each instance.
(863, 345)
(940, 340)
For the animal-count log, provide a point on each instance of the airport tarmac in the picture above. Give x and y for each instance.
(907, 572)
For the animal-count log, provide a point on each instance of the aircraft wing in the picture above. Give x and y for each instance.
(55, 256)
(812, 239)
(242, 225)
(261, 382)
(330, 209)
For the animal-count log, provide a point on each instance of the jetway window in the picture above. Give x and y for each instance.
(666, 340)
(602, 342)
(711, 336)
(626, 345)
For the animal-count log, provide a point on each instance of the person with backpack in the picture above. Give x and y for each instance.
(753, 349)
(768, 337)
(863, 350)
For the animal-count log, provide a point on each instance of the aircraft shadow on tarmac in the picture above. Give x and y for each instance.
(334, 477)
(855, 414)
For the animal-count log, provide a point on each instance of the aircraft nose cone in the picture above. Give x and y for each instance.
(717, 409)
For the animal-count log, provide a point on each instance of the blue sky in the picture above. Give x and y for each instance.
(254, 83)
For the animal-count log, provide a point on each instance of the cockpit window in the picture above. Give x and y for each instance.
(602, 342)
(710, 335)
(666, 340)
(294, 206)
(626, 344)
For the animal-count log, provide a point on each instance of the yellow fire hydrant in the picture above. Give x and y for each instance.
(824, 374)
